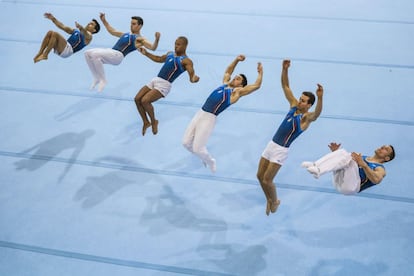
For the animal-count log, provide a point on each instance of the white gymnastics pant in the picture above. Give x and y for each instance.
(197, 134)
(345, 170)
(97, 57)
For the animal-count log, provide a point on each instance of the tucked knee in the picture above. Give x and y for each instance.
(50, 33)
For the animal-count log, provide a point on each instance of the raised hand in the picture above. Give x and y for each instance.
(319, 91)
(334, 146)
(286, 64)
(241, 57)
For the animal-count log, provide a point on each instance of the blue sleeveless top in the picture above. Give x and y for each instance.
(172, 67)
(218, 100)
(126, 43)
(76, 40)
(289, 129)
(365, 182)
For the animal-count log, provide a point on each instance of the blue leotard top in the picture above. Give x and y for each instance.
(289, 129)
(365, 182)
(172, 67)
(218, 100)
(126, 43)
(76, 40)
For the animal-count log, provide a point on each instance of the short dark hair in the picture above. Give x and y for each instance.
(139, 19)
(392, 154)
(244, 81)
(97, 26)
(183, 38)
(311, 97)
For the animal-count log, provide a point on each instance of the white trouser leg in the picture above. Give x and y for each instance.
(347, 180)
(189, 133)
(97, 57)
(88, 57)
(197, 134)
(333, 161)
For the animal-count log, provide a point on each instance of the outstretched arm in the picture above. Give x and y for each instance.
(152, 57)
(375, 176)
(312, 116)
(285, 84)
(243, 91)
(334, 146)
(108, 27)
(58, 24)
(188, 65)
(147, 44)
(230, 68)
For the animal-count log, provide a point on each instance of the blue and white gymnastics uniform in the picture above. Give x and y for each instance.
(170, 71)
(97, 57)
(74, 43)
(365, 182)
(277, 149)
(201, 126)
(77, 40)
(218, 100)
(126, 43)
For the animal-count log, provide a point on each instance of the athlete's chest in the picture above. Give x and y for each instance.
(297, 121)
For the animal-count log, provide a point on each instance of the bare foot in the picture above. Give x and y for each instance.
(94, 83)
(144, 128)
(101, 85)
(274, 206)
(268, 204)
(39, 58)
(155, 127)
(213, 166)
(36, 57)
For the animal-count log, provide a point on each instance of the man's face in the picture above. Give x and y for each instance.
(303, 104)
(135, 27)
(384, 151)
(237, 81)
(179, 46)
(91, 27)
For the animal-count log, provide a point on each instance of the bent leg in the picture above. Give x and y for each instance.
(96, 58)
(58, 45)
(263, 163)
(146, 102)
(45, 42)
(330, 162)
(203, 130)
(90, 55)
(141, 93)
(189, 133)
(52, 40)
(347, 180)
(266, 173)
